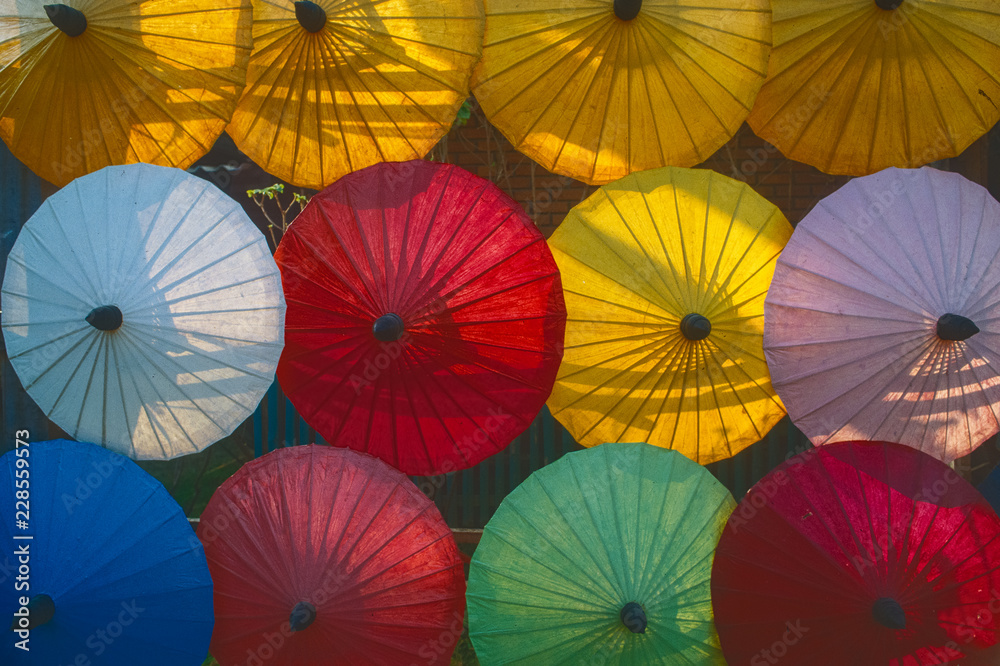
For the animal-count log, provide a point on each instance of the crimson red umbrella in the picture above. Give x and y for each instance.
(859, 553)
(323, 555)
(424, 319)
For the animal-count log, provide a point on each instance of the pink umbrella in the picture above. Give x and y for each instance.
(883, 319)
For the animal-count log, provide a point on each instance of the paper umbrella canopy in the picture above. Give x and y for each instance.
(334, 87)
(856, 86)
(425, 316)
(598, 89)
(94, 83)
(142, 311)
(665, 273)
(110, 571)
(883, 319)
(603, 556)
(860, 553)
(323, 555)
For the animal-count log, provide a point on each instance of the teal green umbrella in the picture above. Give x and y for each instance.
(604, 557)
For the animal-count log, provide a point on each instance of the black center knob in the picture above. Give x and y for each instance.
(887, 612)
(302, 616)
(888, 4)
(69, 20)
(105, 318)
(955, 327)
(41, 610)
(627, 10)
(388, 327)
(310, 15)
(695, 327)
(634, 618)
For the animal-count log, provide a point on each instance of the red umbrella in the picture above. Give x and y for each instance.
(425, 316)
(322, 555)
(859, 553)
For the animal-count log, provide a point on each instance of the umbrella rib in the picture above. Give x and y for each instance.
(975, 308)
(844, 38)
(43, 245)
(607, 592)
(916, 24)
(350, 285)
(598, 28)
(616, 45)
(627, 260)
(151, 333)
(457, 307)
(721, 343)
(66, 353)
(536, 584)
(920, 362)
(603, 41)
(450, 296)
(917, 353)
(429, 283)
(283, 58)
(661, 375)
(347, 64)
(673, 320)
(911, 298)
(714, 279)
(762, 264)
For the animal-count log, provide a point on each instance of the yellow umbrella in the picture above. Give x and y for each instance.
(597, 89)
(95, 83)
(338, 85)
(665, 274)
(856, 86)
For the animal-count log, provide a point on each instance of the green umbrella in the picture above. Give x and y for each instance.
(603, 557)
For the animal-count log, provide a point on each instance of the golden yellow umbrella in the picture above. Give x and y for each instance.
(338, 85)
(665, 274)
(856, 86)
(95, 83)
(597, 89)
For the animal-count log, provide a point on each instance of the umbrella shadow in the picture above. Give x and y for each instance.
(167, 112)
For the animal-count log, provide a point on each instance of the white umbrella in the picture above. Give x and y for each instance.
(142, 310)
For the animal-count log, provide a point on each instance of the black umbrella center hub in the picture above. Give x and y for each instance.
(310, 15)
(955, 327)
(626, 10)
(695, 327)
(887, 612)
(105, 318)
(303, 615)
(69, 20)
(41, 609)
(888, 5)
(388, 328)
(634, 618)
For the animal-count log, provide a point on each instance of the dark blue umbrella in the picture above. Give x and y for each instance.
(100, 567)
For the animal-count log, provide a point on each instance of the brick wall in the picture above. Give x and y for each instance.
(480, 148)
